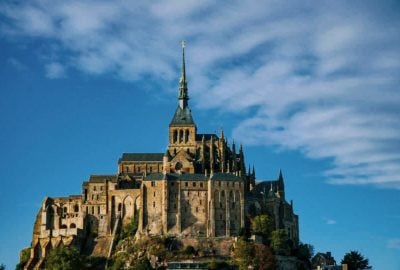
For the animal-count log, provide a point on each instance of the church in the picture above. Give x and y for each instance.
(199, 187)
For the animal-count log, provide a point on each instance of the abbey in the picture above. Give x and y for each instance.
(198, 188)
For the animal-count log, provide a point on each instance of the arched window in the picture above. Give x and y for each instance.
(76, 208)
(72, 226)
(187, 135)
(63, 226)
(175, 136)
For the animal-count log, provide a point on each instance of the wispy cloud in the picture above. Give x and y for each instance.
(329, 221)
(393, 243)
(54, 70)
(323, 77)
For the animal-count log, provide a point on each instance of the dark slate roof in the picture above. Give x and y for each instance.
(265, 185)
(102, 178)
(225, 177)
(191, 177)
(182, 117)
(175, 176)
(207, 137)
(141, 157)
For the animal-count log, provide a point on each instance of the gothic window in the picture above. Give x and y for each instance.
(92, 210)
(94, 188)
(154, 204)
(175, 137)
(98, 210)
(72, 226)
(154, 194)
(178, 166)
(65, 210)
(76, 208)
(97, 197)
(180, 135)
(187, 136)
(92, 197)
(194, 184)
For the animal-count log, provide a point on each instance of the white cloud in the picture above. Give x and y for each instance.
(393, 243)
(322, 78)
(330, 221)
(55, 70)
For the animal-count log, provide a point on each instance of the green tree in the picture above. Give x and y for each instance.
(2, 267)
(305, 252)
(279, 242)
(355, 261)
(141, 264)
(262, 225)
(243, 254)
(64, 258)
(24, 258)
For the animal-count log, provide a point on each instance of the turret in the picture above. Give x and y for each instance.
(281, 185)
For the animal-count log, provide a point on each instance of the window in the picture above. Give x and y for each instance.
(72, 226)
(172, 184)
(219, 183)
(101, 187)
(151, 169)
(197, 209)
(174, 205)
(65, 210)
(154, 204)
(76, 208)
(186, 184)
(154, 194)
(138, 169)
(92, 197)
(194, 184)
(98, 210)
(153, 183)
(92, 210)
(201, 184)
(94, 188)
(200, 202)
(97, 197)
(223, 193)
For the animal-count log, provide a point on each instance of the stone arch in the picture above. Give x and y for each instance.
(51, 212)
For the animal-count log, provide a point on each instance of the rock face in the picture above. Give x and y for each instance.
(198, 188)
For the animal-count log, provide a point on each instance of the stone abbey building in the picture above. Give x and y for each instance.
(198, 188)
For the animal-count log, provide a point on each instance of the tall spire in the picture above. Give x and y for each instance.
(183, 95)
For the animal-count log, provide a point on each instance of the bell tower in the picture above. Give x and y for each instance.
(182, 129)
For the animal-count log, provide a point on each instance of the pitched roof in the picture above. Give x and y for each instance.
(192, 177)
(141, 157)
(102, 178)
(182, 117)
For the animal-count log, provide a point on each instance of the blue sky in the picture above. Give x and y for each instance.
(311, 87)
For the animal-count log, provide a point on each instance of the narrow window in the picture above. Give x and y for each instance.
(200, 202)
(174, 205)
(153, 183)
(92, 210)
(194, 184)
(219, 183)
(98, 210)
(186, 184)
(201, 184)
(154, 204)
(154, 194)
(197, 209)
